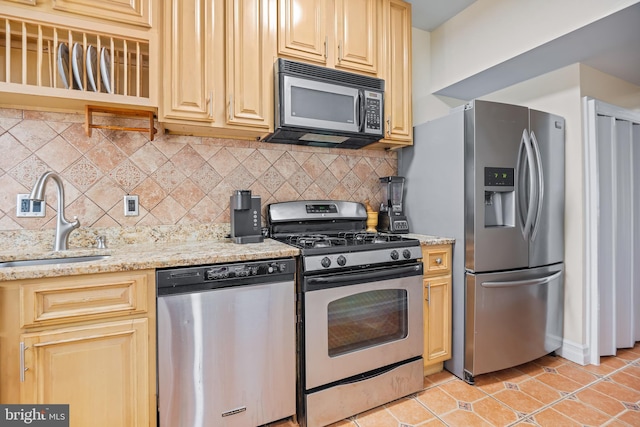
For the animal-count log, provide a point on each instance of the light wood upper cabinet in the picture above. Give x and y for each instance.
(397, 74)
(437, 306)
(135, 12)
(302, 30)
(188, 60)
(250, 57)
(343, 34)
(357, 35)
(218, 62)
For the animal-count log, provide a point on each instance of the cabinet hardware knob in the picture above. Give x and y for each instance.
(438, 261)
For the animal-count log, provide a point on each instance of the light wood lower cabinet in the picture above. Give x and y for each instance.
(97, 353)
(98, 369)
(437, 306)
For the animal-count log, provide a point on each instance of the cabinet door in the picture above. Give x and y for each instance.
(357, 35)
(437, 319)
(102, 371)
(188, 79)
(302, 29)
(399, 121)
(250, 57)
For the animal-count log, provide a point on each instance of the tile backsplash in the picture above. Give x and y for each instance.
(178, 179)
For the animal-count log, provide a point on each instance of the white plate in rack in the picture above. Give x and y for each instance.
(63, 64)
(76, 64)
(92, 68)
(105, 69)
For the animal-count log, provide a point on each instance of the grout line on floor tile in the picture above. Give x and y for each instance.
(606, 377)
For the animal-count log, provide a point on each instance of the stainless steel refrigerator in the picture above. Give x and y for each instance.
(491, 176)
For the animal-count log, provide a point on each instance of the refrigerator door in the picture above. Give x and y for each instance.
(493, 235)
(512, 317)
(546, 245)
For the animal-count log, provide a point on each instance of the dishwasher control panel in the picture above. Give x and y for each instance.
(246, 270)
(206, 277)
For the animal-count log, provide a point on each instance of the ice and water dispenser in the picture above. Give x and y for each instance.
(499, 197)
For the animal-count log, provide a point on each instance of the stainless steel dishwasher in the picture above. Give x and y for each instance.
(226, 344)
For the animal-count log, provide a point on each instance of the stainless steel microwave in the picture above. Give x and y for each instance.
(326, 107)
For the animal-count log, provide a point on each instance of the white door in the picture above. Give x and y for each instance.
(613, 237)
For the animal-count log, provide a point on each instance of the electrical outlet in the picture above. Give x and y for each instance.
(131, 206)
(26, 207)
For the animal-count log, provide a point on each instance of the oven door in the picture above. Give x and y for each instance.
(361, 321)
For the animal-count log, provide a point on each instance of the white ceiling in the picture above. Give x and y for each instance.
(611, 45)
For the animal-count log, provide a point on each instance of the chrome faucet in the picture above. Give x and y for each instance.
(63, 227)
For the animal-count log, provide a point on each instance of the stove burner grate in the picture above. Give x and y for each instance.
(364, 237)
(316, 241)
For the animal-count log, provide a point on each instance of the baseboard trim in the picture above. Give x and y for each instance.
(574, 352)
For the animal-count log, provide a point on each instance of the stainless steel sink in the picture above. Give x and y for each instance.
(45, 261)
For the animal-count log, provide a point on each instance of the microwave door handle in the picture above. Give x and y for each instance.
(360, 111)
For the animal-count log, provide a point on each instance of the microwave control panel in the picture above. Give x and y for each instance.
(373, 112)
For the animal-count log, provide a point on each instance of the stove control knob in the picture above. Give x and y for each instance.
(326, 262)
(394, 255)
(342, 261)
(406, 254)
(271, 269)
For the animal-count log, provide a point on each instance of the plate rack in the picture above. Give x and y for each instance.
(31, 62)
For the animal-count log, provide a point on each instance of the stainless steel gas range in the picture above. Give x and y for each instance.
(359, 309)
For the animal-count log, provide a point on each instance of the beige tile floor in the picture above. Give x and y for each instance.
(548, 392)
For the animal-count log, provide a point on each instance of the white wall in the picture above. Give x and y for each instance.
(490, 32)
(425, 105)
(609, 89)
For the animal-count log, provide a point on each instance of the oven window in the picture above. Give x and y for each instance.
(367, 319)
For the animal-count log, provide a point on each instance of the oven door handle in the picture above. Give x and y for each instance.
(388, 273)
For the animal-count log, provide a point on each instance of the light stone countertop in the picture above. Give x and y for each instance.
(142, 248)
(426, 240)
(150, 256)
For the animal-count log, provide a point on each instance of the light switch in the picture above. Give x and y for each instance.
(131, 205)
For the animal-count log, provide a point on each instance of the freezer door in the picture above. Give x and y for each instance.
(512, 317)
(493, 136)
(546, 245)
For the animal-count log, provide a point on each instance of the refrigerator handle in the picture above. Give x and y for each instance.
(514, 283)
(522, 202)
(540, 184)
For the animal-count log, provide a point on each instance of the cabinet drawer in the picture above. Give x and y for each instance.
(76, 298)
(436, 259)
(135, 12)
